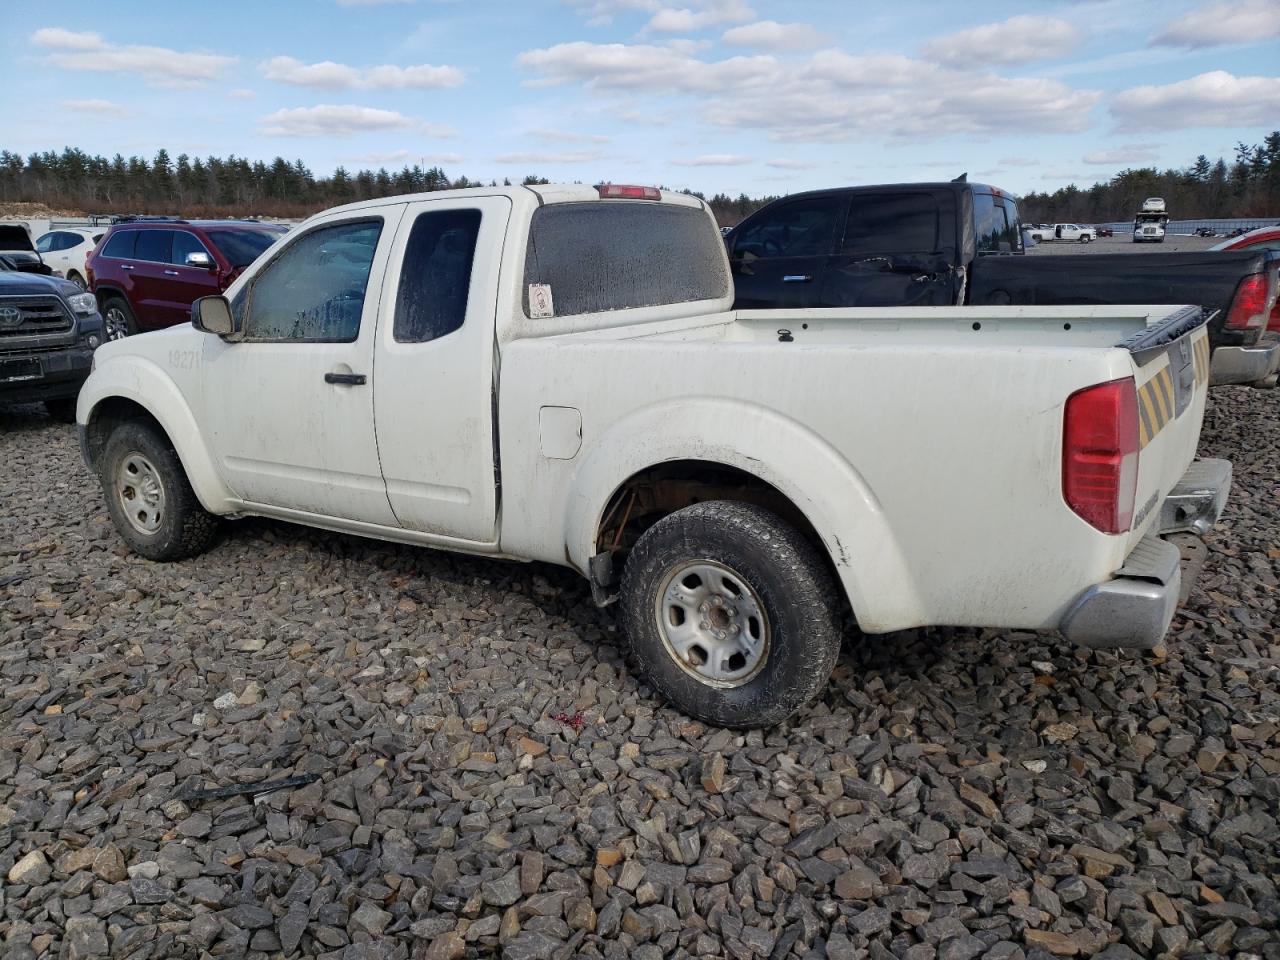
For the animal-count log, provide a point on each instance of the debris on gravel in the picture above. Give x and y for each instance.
(492, 781)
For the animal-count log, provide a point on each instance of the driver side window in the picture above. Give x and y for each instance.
(805, 228)
(314, 291)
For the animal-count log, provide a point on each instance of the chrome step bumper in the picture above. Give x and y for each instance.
(1135, 607)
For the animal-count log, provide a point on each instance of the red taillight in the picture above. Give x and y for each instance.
(1100, 454)
(618, 191)
(1249, 305)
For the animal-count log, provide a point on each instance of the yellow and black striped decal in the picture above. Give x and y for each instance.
(1155, 405)
(1201, 347)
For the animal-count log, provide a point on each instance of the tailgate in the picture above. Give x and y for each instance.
(1171, 373)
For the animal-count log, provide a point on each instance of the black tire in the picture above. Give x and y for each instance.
(63, 409)
(184, 528)
(789, 580)
(1085, 239)
(118, 320)
(74, 277)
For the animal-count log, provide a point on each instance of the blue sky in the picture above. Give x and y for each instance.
(734, 95)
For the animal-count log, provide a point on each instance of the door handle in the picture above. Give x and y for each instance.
(796, 278)
(125, 266)
(346, 379)
(171, 273)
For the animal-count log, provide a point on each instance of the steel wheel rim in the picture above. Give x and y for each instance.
(712, 623)
(117, 326)
(140, 493)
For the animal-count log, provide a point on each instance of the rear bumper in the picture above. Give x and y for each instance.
(1134, 608)
(1245, 364)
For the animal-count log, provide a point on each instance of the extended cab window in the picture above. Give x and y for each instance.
(120, 245)
(805, 228)
(314, 290)
(436, 275)
(621, 254)
(888, 223)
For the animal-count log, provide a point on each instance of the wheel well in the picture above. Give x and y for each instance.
(106, 293)
(658, 491)
(111, 413)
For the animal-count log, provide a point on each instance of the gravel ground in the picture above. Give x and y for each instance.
(493, 781)
(1125, 244)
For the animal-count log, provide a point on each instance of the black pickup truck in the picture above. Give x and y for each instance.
(49, 329)
(940, 244)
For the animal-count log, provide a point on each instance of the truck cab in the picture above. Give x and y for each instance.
(1149, 226)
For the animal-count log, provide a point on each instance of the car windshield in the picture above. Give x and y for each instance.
(242, 247)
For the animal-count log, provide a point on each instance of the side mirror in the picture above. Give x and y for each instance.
(213, 315)
(199, 258)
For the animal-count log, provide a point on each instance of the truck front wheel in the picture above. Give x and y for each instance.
(730, 614)
(149, 498)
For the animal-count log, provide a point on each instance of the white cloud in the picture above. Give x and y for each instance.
(715, 160)
(1020, 161)
(1214, 99)
(566, 136)
(1123, 154)
(708, 13)
(1019, 39)
(771, 35)
(95, 108)
(328, 120)
(601, 12)
(1223, 22)
(830, 95)
(158, 66)
(339, 76)
(241, 93)
(535, 157)
(403, 157)
(790, 164)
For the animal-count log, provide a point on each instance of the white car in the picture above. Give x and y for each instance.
(67, 248)
(555, 373)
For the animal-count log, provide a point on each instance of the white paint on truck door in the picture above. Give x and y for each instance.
(292, 420)
(433, 393)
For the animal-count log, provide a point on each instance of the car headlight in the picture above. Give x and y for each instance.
(83, 303)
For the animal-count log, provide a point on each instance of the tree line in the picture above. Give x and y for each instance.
(1249, 186)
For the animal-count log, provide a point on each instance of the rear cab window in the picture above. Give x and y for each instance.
(608, 255)
(995, 224)
(889, 223)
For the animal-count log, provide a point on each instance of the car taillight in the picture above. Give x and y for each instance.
(1249, 305)
(618, 191)
(1100, 454)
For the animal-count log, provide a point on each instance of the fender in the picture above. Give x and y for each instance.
(145, 383)
(821, 483)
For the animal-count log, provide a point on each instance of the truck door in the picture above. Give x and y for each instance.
(891, 254)
(291, 404)
(434, 389)
(778, 255)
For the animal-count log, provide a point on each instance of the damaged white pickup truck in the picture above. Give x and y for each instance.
(553, 373)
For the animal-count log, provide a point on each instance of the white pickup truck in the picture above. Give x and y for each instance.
(553, 373)
(1064, 231)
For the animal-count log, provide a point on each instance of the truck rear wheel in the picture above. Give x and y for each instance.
(149, 498)
(730, 614)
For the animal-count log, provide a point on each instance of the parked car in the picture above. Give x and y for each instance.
(17, 247)
(1153, 205)
(49, 329)
(147, 273)
(1104, 231)
(66, 250)
(933, 244)
(490, 373)
(1263, 238)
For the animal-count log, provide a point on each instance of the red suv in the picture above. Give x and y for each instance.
(147, 273)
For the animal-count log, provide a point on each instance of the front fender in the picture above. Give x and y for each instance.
(818, 480)
(145, 383)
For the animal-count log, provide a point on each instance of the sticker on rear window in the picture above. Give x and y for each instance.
(540, 303)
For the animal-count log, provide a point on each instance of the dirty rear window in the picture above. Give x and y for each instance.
(618, 255)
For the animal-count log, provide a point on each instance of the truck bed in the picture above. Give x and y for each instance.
(943, 443)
